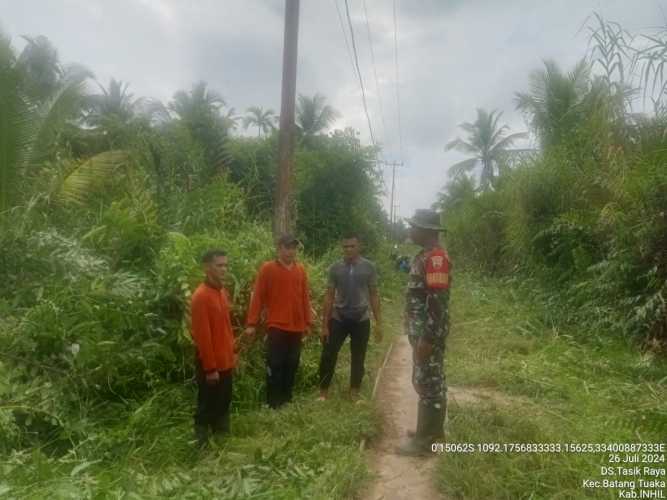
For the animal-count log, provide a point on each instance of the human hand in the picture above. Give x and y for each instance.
(324, 334)
(250, 332)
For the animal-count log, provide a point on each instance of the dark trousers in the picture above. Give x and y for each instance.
(213, 401)
(359, 331)
(283, 352)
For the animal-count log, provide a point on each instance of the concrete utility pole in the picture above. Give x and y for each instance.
(394, 229)
(393, 165)
(282, 213)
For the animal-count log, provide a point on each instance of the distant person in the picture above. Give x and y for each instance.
(281, 291)
(394, 254)
(214, 340)
(427, 322)
(404, 264)
(351, 292)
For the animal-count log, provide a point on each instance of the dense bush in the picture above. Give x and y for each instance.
(101, 248)
(586, 217)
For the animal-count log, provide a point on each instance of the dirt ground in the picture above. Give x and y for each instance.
(406, 478)
(397, 477)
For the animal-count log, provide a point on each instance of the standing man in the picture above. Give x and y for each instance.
(427, 322)
(214, 340)
(351, 289)
(281, 291)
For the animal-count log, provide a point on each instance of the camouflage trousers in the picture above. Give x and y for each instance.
(428, 377)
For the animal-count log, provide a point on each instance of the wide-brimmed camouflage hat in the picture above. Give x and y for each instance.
(426, 219)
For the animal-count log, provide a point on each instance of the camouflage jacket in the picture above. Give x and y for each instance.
(427, 295)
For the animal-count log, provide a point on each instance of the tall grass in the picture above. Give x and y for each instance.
(542, 382)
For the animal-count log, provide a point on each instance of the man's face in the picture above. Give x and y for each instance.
(350, 248)
(421, 236)
(216, 269)
(287, 253)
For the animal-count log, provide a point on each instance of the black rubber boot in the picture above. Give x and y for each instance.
(418, 444)
(435, 428)
(420, 422)
(436, 424)
(430, 422)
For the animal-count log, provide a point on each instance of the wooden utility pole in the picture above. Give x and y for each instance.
(282, 213)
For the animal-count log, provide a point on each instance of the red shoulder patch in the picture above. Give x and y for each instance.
(437, 269)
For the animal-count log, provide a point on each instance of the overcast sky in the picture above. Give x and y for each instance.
(453, 56)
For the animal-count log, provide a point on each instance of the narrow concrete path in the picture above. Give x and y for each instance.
(397, 477)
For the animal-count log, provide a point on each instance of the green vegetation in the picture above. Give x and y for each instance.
(487, 141)
(559, 324)
(585, 215)
(539, 381)
(107, 202)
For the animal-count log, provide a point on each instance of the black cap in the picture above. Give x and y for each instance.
(288, 240)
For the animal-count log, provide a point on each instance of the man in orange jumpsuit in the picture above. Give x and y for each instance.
(281, 291)
(214, 340)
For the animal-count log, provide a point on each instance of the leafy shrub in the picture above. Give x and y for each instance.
(128, 232)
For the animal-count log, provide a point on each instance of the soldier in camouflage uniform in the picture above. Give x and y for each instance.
(427, 325)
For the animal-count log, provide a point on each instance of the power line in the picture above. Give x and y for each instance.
(398, 99)
(361, 81)
(342, 28)
(379, 158)
(375, 73)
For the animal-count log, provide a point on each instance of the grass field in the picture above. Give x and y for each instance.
(542, 384)
(526, 381)
(145, 449)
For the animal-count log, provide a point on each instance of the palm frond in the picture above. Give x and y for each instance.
(45, 117)
(461, 145)
(462, 167)
(88, 177)
(313, 115)
(13, 119)
(153, 110)
(506, 142)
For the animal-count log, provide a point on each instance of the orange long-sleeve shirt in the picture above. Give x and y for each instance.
(283, 292)
(212, 328)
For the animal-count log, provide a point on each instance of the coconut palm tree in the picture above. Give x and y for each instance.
(486, 141)
(231, 119)
(555, 102)
(40, 66)
(198, 106)
(258, 117)
(111, 113)
(29, 122)
(200, 112)
(313, 115)
(114, 103)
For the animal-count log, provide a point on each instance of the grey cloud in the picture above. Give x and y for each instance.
(454, 56)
